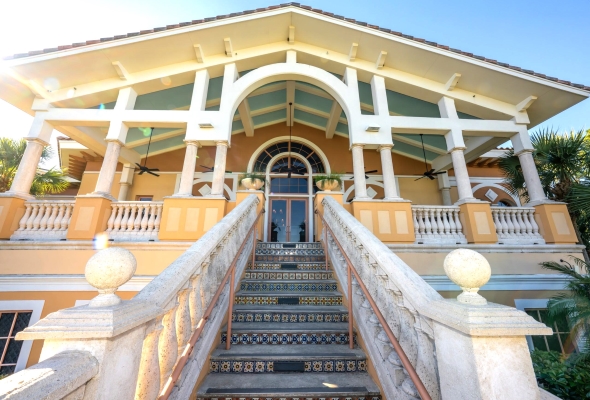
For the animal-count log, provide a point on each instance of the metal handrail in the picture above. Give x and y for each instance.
(398, 348)
(231, 273)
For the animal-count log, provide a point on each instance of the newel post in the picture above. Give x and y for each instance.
(110, 329)
(481, 347)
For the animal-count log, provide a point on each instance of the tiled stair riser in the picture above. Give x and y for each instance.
(289, 317)
(288, 275)
(308, 301)
(256, 366)
(293, 398)
(289, 258)
(287, 338)
(279, 266)
(288, 287)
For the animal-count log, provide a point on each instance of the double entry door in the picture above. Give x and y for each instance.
(288, 219)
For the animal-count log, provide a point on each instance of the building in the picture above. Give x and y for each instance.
(161, 125)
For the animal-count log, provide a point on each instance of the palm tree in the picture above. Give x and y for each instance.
(45, 181)
(573, 306)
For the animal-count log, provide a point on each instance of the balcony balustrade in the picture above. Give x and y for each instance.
(44, 220)
(135, 221)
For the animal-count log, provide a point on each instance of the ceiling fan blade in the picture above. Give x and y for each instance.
(419, 178)
(370, 172)
(431, 171)
(151, 173)
(138, 165)
(141, 172)
(438, 173)
(152, 169)
(366, 176)
(431, 177)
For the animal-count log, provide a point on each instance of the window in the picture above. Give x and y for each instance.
(11, 323)
(560, 340)
(288, 185)
(296, 148)
(143, 198)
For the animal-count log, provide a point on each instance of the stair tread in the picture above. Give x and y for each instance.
(279, 384)
(296, 308)
(288, 352)
(272, 327)
(289, 280)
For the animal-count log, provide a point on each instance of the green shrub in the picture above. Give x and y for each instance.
(565, 378)
(329, 177)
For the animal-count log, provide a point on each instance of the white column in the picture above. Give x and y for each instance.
(531, 177)
(461, 175)
(21, 185)
(219, 169)
(188, 169)
(125, 182)
(444, 185)
(388, 173)
(358, 164)
(108, 169)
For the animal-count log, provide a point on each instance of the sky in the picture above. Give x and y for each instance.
(547, 36)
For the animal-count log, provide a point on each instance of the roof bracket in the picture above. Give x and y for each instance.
(381, 60)
(121, 71)
(228, 47)
(352, 53)
(199, 53)
(526, 103)
(451, 83)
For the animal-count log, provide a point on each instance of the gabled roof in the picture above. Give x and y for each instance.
(309, 8)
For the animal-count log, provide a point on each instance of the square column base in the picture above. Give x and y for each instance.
(90, 216)
(317, 205)
(241, 195)
(478, 224)
(12, 210)
(555, 224)
(189, 218)
(390, 221)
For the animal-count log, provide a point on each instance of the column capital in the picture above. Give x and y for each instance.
(360, 145)
(111, 140)
(37, 140)
(454, 149)
(222, 143)
(191, 142)
(384, 146)
(524, 151)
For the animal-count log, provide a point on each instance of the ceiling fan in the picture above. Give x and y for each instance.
(144, 168)
(290, 168)
(428, 174)
(366, 172)
(211, 169)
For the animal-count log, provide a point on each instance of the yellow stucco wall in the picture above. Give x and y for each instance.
(143, 185)
(422, 192)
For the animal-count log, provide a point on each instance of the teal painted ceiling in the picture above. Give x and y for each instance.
(268, 105)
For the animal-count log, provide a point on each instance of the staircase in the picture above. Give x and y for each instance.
(289, 336)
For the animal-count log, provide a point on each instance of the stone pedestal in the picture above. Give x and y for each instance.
(12, 210)
(90, 216)
(555, 224)
(241, 195)
(390, 221)
(317, 205)
(189, 218)
(478, 225)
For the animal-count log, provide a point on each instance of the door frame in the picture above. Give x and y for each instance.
(288, 199)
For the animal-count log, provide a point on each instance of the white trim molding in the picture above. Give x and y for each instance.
(521, 304)
(36, 307)
(505, 282)
(62, 283)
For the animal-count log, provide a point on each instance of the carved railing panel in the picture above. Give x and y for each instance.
(44, 220)
(516, 225)
(135, 220)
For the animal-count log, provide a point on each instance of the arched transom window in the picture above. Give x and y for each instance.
(296, 148)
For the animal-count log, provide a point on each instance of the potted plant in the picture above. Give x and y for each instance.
(328, 182)
(253, 180)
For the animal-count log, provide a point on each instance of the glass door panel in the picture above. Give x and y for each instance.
(278, 220)
(297, 220)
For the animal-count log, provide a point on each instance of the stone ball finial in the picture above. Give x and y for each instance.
(106, 271)
(470, 271)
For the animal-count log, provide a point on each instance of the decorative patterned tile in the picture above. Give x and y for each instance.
(286, 338)
(292, 398)
(288, 287)
(256, 366)
(289, 317)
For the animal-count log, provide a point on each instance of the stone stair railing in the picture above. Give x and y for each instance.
(135, 220)
(516, 225)
(464, 348)
(437, 225)
(138, 342)
(44, 220)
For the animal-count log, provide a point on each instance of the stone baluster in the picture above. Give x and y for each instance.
(125, 218)
(40, 215)
(65, 222)
(527, 216)
(148, 379)
(522, 226)
(427, 225)
(445, 220)
(439, 222)
(183, 319)
(111, 221)
(145, 218)
(452, 224)
(22, 225)
(158, 218)
(46, 213)
(417, 232)
(119, 209)
(60, 217)
(31, 220)
(497, 222)
(131, 220)
(52, 213)
(458, 222)
(138, 217)
(152, 218)
(509, 223)
(534, 223)
(421, 224)
(168, 345)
